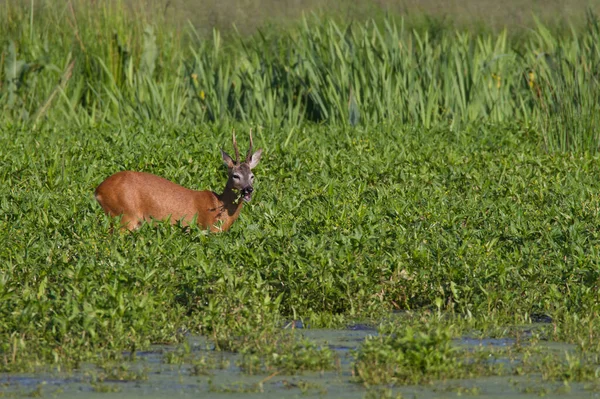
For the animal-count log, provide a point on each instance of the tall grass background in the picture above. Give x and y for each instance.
(112, 62)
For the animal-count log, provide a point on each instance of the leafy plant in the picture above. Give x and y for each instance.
(408, 357)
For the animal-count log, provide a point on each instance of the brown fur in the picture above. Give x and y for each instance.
(139, 196)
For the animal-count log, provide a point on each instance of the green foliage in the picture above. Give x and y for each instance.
(287, 353)
(574, 367)
(408, 356)
(420, 351)
(567, 91)
(90, 64)
(351, 224)
(423, 186)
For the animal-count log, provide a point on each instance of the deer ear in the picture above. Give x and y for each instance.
(254, 159)
(227, 159)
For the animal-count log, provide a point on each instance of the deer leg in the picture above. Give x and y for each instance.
(130, 222)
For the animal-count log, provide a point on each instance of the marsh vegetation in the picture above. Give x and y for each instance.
(434, 182)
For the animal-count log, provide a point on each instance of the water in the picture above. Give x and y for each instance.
(149, 375)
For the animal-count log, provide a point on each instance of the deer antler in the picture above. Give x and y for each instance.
(249, 153)
(235, 147)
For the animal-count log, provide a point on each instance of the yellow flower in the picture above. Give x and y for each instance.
(498, 80)
(530, 80)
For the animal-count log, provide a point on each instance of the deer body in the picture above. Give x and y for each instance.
(139, 196)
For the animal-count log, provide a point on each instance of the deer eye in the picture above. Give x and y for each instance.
(251, 177)
(236, 176)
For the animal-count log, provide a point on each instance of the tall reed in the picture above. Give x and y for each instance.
(72, 63)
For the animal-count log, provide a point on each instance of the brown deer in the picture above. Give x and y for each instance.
(139, 196)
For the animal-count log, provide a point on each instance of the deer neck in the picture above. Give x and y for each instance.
(231, 201)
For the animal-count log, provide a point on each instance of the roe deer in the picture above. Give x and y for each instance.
(139, 196)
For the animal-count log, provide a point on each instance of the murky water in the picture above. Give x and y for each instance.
(150, 375)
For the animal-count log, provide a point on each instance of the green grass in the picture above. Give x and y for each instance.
(439, 172)
(425, 350)
(88, 66)
(351, 224)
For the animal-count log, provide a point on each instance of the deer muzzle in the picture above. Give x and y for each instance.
(247, 193)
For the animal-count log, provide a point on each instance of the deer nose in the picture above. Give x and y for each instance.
(248, 189)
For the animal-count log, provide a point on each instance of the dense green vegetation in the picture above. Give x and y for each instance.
(346, 223)
(89, 65)
(445, 174)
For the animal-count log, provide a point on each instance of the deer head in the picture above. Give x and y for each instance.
(241, 177)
